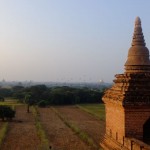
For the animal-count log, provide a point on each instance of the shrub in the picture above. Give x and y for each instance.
(42, 103)
(6, 112)
(2, 99)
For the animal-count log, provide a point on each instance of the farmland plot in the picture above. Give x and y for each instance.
(60, 136)
(57, 123)
(21, 132)
(93, 126)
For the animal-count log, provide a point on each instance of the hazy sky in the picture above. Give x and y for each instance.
(68, 40)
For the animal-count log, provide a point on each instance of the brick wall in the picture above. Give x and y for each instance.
(134, 121)
(115, 123)
(125, 122)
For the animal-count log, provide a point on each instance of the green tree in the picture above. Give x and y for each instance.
(27, 101)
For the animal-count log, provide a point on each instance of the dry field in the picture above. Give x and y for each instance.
(21, 133)
(60, 136)
(66, 128)
(86, 122)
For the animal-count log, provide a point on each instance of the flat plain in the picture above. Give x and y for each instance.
(76, 127)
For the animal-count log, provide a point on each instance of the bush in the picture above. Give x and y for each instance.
(2, 99)
(6, 112)
(42, 103)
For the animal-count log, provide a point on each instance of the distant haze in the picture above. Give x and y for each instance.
(68, 40)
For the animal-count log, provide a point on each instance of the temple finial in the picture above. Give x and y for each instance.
(138, 55)
(137, 21)
(138, 38)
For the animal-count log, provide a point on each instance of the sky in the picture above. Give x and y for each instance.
(68, 40)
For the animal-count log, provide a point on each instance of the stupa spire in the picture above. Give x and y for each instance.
(138, 54)
(138, 38)
(127, 102)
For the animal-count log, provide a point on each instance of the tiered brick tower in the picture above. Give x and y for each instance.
(127, 102)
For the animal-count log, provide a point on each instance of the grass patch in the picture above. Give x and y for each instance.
(97, 110)
(3, 132)
(40, 130)
(10, 103)
(83, 135)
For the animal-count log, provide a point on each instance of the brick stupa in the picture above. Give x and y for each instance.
(127, 102)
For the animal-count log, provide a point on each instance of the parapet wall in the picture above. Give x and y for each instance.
(134, 144)
(110, 143)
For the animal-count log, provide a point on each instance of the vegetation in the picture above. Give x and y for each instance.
(5, 92)
(43, 96)
(40, 130)
(2, 99)
(28, 101)
(97, 110)
(6, 112)
(3, 132)
(10, 102)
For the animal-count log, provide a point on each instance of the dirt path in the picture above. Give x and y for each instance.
(60, 136)
(21, 135)
(86, 122)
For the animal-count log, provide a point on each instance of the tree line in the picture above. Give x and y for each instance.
(43, 95)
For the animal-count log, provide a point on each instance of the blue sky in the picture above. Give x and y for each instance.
(68, 40)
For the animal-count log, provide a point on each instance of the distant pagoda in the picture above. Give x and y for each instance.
(127, 102)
